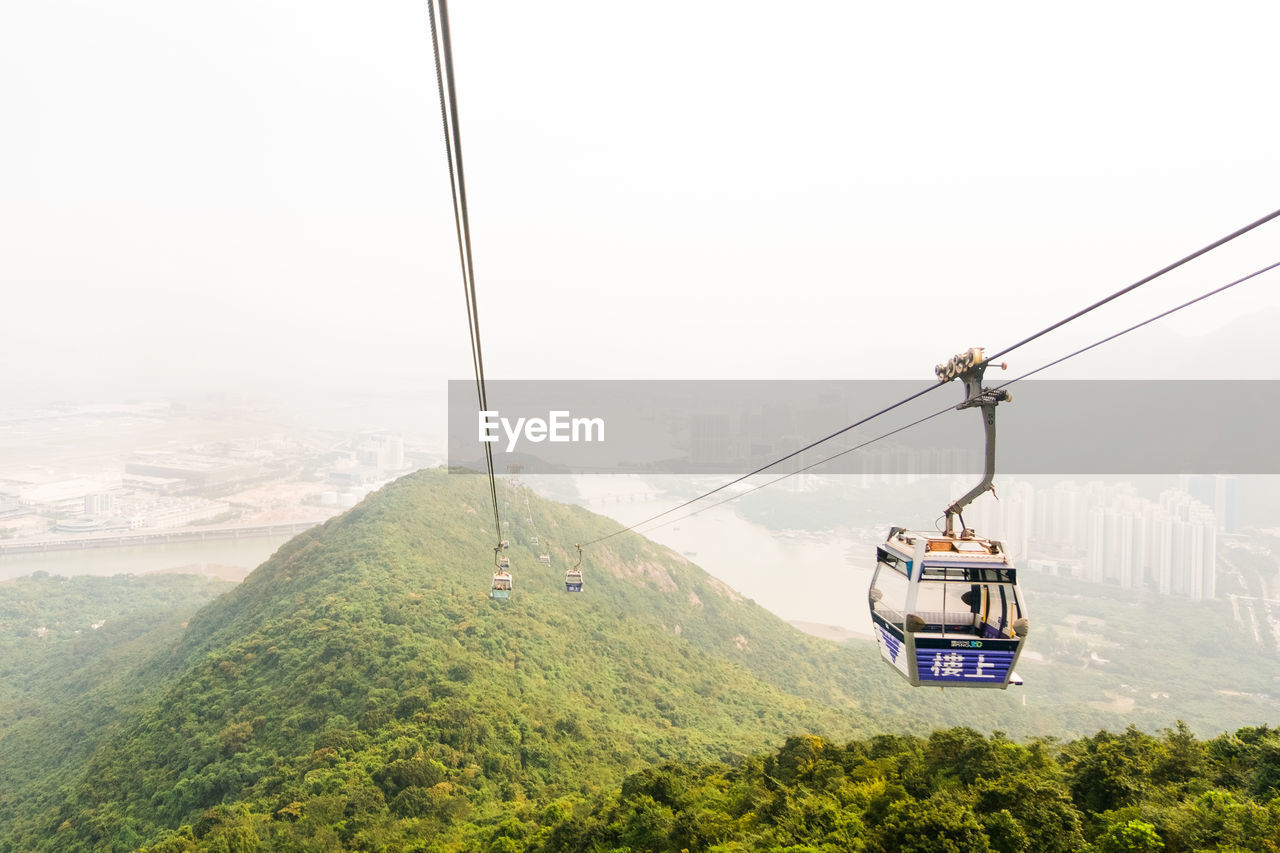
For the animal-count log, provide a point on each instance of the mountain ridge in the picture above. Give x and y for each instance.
(369, 635)
(360, 690)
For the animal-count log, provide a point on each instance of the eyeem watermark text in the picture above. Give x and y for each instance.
(558, 427)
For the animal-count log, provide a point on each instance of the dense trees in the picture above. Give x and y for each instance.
(880, 795)
(953, 792)
(364, 674)
(360, 692)
(77, 656)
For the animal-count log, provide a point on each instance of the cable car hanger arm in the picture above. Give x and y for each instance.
(969, 367)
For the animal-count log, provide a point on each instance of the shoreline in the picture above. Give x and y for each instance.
(156, 537)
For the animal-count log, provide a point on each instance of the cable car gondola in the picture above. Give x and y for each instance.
(573, 577)
(947, 610)
(946, 607)
(501, 586)
(545, 559)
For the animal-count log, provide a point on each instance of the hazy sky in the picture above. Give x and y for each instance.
(252, 193)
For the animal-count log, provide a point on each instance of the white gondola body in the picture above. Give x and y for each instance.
(946, 611)
(502, 584)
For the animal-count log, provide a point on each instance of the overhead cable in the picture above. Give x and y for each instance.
(1140, 282)
(940, 412)
(442, 45)
(1145, 280)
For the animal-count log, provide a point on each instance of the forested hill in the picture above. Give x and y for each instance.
(364, 663)
(78, 657)
(361, 691)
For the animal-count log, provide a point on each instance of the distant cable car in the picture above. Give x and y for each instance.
(573, 577)
(533, 541)
(504, 563)
(505, 544)
(501, 585)
(545, 559)
(945, 607)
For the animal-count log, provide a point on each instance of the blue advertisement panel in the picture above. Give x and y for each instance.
(975, 661)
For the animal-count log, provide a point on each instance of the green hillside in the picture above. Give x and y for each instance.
(365, 662)
(360, 691)
(78, 656)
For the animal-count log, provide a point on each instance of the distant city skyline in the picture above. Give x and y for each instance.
(1108, 533)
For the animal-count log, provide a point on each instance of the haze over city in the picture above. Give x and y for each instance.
(244, 210)
(255, 593)
(253, 197)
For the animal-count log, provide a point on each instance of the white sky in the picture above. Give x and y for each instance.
(252, 193)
